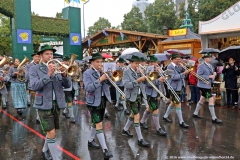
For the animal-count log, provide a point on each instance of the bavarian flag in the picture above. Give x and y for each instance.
(68, 1)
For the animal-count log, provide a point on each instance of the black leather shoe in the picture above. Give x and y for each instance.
(127, 133)
(143, 143)
(217, 121)
(126, 112)
(117, 108)
(143, 125)
(66, 115)
(46, 155)
(93, 144)
(184, 125)
(107, 154)
(197, 116)
(29, 104)
(19, 112)
(7, 103)
(38, 121)
(72, 120)
(167, 120)
(107, 115)
(161, 132)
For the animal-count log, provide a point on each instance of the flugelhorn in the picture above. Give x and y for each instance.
(21, 69)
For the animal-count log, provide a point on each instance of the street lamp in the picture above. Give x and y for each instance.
(84, 19)
(165, 30)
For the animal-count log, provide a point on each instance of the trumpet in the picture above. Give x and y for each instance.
(152, 76)
(184, 65)
(161, 73)
(116, 76)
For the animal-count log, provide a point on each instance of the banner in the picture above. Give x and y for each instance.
(24, 36)
(75, 39)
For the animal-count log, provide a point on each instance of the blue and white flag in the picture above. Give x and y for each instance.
(104, 32)
(89, 42)
(122, 35)
(77, 1)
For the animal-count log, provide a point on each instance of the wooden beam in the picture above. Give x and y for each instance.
(154, 43)
(140, 46)
(143, 44)
(135, 44)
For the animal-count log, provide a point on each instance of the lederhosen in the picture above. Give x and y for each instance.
(207, 93)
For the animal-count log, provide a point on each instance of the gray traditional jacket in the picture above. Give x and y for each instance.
(46, 87)
(94, 89)
(204, 71)
(131, 86)
(177, 78)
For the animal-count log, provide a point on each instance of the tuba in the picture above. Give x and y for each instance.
(21, 69)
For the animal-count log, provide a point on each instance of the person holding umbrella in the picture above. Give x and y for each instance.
(231, 71)
(205, 70)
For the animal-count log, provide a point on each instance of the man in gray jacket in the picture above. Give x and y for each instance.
(97, 93)
(177, 82)
(49, 97)
(206, 71)
(134, 89)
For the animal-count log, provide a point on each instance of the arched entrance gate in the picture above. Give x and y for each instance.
(24, 25)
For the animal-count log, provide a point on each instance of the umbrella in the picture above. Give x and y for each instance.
(209, 50)
(87, 58)
(129, 56)
(162, 56)
(174, 51)
(105, 55)
(129, 51)
(233, 51)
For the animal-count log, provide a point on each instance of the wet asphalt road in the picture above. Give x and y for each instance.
(202, 140)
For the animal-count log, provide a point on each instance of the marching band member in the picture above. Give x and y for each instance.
(5, 97)
(18, 89)
(152, 100)
(97, 93)
(205, 70)
(177, 82)
(31, 93)
(144, 64)
(49, 98)
(135, 91)
(121, 62)
(3, 91)
(69, 95)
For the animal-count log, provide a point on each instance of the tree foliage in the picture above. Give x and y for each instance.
(58, 15)
(134, 21)
(160, 13)
(5, 36)
(101, 24)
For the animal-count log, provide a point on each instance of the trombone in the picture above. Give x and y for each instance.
(152, 76)
(168, 85)
(184, 65)
(117, 76)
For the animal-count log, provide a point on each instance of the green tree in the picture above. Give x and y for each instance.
(101, 24)
(160, 13)
(5, 36)
(118, 27)
(133, 21)
(58, 15)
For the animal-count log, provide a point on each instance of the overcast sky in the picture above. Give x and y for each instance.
(113, 10)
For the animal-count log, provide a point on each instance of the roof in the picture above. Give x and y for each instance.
(190, 35)
(143, 34)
